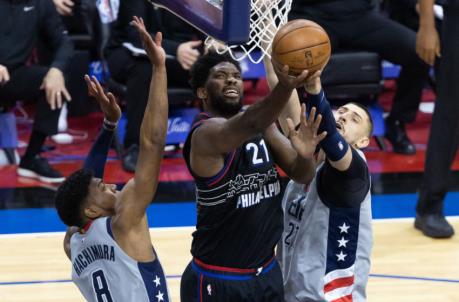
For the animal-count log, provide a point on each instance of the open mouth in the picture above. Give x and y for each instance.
(231, 92)
(340, 127)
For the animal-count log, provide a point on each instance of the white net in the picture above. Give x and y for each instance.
(266, 16)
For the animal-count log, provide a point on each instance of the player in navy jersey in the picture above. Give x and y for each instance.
(237, 186)
(108, 241)
(326, 244)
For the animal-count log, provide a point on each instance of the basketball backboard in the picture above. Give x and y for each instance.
(224, 20)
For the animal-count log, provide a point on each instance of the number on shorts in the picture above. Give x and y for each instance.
(100, 285)
(291, 234)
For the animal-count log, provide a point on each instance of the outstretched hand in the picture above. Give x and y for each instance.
(286, 80)
(107, 102)
(305, 139)
(154, 50)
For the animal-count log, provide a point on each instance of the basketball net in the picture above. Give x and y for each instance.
(266, 16)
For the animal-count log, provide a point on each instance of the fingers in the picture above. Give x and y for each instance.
(312, 116)
(437, 50)
(58, 99)
(65, 7)
(51, 98)
(112, 102)
(67, 95)
(321, 136)
(315, 75)
(195, 44)
(188, 58)
(301, 78)
(138, 23)
(113, 112)
(285, 69)
(317, 122)
(91, 87)
(112, 99)
(303, 115)
(64, 10)
(158, 38)
(276, 65)
(290, 126)
(4, 75)
(100, 90)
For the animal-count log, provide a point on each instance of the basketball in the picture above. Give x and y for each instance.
(301, 44)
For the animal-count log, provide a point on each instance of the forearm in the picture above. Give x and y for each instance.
(293, 108)
(154, 123)
(334, 145)
(320, 102)
(426, 13)
(99, 151)
(262, 114)
(152, 140)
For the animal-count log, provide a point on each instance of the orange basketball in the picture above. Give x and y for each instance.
(301, 44)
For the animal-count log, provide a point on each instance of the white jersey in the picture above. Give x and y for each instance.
(324, 251)
(104, 272)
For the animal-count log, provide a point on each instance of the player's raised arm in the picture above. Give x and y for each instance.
(98, 154)
(139, 191)
(337, 150)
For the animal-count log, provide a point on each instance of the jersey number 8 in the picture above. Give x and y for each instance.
(100, 286)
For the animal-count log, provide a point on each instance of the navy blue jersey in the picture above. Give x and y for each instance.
(239, 209)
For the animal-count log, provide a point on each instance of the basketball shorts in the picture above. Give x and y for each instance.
(202, 282)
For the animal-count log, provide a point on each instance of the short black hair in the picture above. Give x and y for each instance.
(201, 68)
(70, 196)
(364, 108)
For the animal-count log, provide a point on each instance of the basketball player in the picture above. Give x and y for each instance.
(326, 244)
(110, 248)
(237, 186)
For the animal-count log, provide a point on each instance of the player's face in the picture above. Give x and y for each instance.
(101, 198)
(224, 89)
(352, 123)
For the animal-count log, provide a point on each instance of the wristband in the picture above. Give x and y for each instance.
(110, 126)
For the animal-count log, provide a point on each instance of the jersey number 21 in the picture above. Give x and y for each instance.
(256, 158)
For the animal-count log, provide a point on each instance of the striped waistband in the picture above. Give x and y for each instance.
(202, 267)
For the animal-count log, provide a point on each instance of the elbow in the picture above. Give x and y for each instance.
(157, 139)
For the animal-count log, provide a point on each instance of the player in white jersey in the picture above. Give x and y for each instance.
(109, 242)
(326, 244)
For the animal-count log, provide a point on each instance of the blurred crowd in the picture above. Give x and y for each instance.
(46, 47)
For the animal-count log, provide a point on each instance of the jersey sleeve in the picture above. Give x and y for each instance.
(344, 188)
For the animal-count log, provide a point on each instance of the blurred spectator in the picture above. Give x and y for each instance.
(22, 24)
(444, 133)
(356, 24)
(129, 66)
(80, 17)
